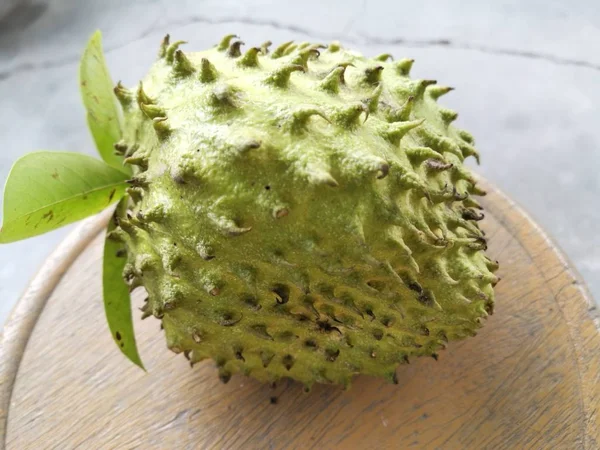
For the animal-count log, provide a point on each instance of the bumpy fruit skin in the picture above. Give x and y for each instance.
(301, 213)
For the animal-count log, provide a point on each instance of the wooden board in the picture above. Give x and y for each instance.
(529, 380)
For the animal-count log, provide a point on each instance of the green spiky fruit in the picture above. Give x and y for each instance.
(301, 213)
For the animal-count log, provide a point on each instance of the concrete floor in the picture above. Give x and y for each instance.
(527, 74)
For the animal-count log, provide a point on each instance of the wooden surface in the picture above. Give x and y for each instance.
(529, 380)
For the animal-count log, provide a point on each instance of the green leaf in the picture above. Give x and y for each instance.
(117, 301)
(103, 110)
(46, 190)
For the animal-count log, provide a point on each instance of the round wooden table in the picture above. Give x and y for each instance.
(529, 380)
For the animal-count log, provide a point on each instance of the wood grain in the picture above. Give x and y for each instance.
(26, 312)
(529, 380)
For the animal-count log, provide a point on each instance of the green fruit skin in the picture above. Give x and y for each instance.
(301, 213)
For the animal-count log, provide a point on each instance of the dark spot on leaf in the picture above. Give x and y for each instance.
(118, 336)
(122, 344)
(111, 195)
(267, 187)
(48, 216)
(273, 400)
(55, 174)
(84, 83)
(84, 197)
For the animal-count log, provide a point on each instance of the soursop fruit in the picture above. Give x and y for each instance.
(302, 212)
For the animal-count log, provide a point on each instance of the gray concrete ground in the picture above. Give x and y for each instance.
(527, 74)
